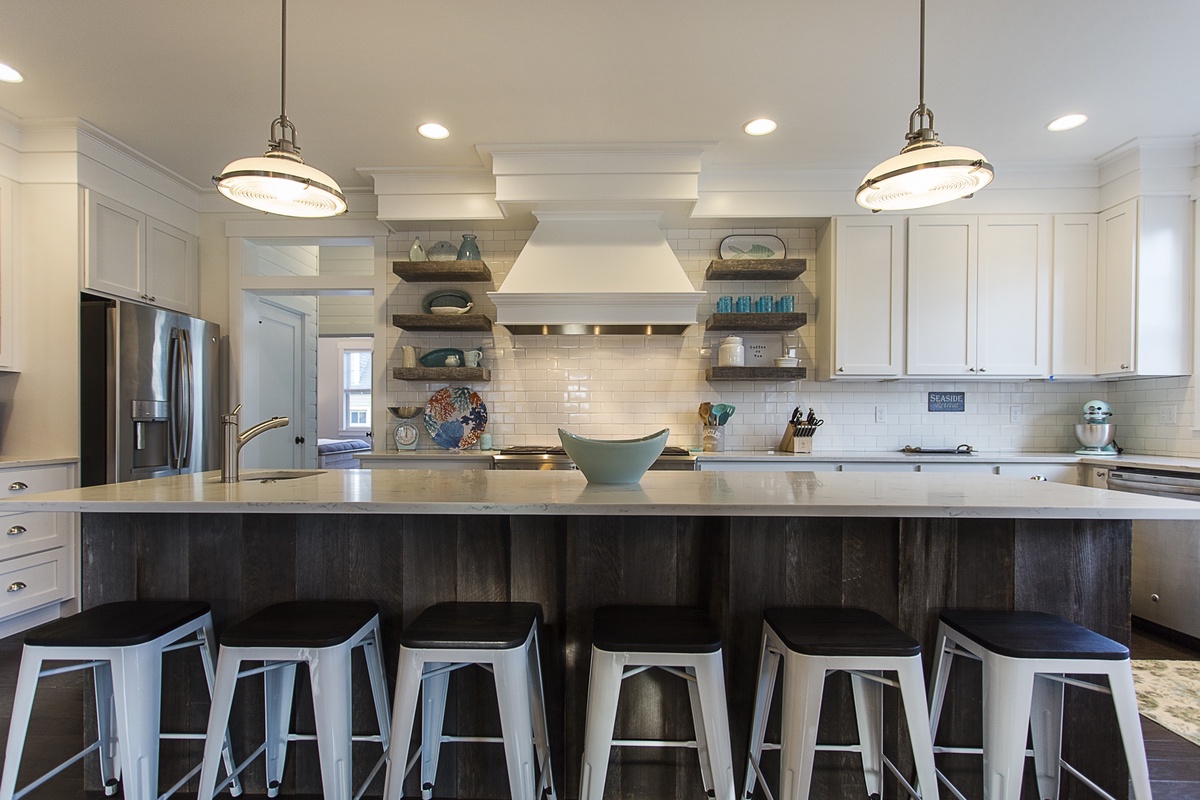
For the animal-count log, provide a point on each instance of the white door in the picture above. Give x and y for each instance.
(276, 383)
(869, 297)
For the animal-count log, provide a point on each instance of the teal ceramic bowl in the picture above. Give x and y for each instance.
(613, 460)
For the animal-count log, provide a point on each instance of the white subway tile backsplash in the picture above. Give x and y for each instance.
(632, 385)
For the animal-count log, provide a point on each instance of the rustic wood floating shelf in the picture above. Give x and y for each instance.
(756, 373)
(442, 374)
(442, 322)
(767, 321)
(428, 271)
(755, 269)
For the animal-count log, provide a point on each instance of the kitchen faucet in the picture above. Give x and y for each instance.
(235, 441)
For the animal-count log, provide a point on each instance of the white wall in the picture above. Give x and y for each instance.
(632, 385)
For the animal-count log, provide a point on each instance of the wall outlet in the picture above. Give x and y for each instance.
(1014, 415)
(881, 415)
(1166, 414)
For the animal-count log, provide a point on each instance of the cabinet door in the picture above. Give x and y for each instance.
(171, 267)
(1115, 288)
(1073, 336)
(8, 276)
(942, 276)
(1058, 473)
(1013, 327)
(116, 236)
(868, 298)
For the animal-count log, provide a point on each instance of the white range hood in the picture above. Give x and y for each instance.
(596, 272)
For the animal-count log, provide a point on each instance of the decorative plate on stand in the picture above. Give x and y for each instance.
(455, 417)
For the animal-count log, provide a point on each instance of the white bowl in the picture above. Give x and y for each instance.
(784, 361)
(450, 310)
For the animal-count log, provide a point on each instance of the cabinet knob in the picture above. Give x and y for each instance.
(1154, 598)
(16, 586)
(1124, 366)
(299, 440)
(983, 369)
(18, 486)
(16, 530)
(971, 369)
(841, 369)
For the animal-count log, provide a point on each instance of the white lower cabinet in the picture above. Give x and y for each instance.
(37, 550)
(787, 464)
(1058, 473)
(444, 462)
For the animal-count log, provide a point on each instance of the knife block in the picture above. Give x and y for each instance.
(793, 443)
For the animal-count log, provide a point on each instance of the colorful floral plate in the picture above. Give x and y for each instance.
(455, 417)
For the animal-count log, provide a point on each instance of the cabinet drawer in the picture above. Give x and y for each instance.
(32, 581)
(29, 532)
(32, 480)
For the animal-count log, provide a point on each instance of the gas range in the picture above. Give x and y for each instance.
(534, 456)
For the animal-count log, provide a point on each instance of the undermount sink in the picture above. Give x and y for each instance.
(267, 476)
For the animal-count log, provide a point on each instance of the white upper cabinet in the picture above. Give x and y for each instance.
(1073, 338)
(978, 296)
(860, 297)
(133, 255)
(8, 276)
(1144, 322)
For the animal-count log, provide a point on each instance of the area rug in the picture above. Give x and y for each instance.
(1168, 692)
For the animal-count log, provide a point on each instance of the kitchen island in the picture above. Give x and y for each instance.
(903, 544)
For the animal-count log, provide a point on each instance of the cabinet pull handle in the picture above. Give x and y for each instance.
(18, 486)
(16, 530)
(16, 586)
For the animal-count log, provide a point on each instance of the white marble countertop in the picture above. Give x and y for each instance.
(798, 493)
(892, 457)
(22, 463)
(1175, 463)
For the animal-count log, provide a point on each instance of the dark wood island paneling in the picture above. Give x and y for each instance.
(906, 569)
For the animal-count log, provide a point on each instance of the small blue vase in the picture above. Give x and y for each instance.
(469, 250)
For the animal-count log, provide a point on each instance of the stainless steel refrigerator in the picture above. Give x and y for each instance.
(149, 391)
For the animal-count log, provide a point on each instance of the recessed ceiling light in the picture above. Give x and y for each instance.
(1067, 122)
(10, 75)
(759, 127)
(431, 130)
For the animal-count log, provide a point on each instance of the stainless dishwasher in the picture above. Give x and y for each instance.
(1166, 553)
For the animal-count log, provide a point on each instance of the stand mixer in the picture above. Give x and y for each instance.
(1095, 433)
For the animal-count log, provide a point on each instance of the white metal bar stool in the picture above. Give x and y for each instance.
(811, 643)
(321, 634)
(1026, 657)
(123, 644)
(500, 637)
(628, 640)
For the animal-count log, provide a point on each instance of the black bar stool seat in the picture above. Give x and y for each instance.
(1033, 634)
(120, 624)
(654, 629)
(821, 631)
(301, 623)
(479, 626)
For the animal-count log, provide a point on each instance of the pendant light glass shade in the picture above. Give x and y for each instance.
(279, 182)
(924, 177)
(279, 185)
(926, 172)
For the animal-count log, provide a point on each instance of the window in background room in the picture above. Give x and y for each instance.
(356, 389)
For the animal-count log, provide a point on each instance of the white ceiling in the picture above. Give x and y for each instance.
(194, 85)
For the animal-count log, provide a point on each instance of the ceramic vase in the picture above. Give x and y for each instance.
(417, 251)
(469, 250)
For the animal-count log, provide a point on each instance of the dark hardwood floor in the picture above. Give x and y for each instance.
(56, 729)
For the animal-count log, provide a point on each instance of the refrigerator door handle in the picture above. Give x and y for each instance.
(185, 421)
(174, 368)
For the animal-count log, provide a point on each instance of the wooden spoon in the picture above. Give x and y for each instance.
(705, 411)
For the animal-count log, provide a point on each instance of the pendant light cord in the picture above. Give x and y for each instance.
(921, 86)
(283, 60)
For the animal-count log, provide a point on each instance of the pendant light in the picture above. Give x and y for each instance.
(279, 182)
(926, 172)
